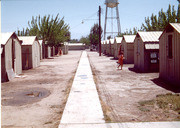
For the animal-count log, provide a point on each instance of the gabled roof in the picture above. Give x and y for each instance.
(5, 37)
(103, 42)
(118, 39)
(152, 36)
(40, 41)
(111, 41)
(27, 40)
(107, 41)
(129, 38)
(176, 26)
(1, 50)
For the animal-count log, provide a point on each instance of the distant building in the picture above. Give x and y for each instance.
(65, 48)
(107, 47)
(52, 51)
(111, 47)
(117, 43)
(128, 48)
(30, 52)
(76, 46)
(42, 53)
(103, 47)
(11, 59)
(170, 53)
(146, 51)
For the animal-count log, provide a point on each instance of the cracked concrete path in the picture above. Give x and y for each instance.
(83, 105)
(83, 109)
(175, 124)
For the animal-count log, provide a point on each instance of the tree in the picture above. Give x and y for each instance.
(178, 12)
(94, 34)
(85, 40)
(74, 41)
(109, 37)
(158, 23)
(129, 32)
(47, 28)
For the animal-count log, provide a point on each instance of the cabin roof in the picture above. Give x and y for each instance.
(118, 39)
(176, 26)
(152, 36)
(27, 40)
(129, 38)
(5, 37)
(111, 41)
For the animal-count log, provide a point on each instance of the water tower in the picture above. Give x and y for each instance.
(113, 5)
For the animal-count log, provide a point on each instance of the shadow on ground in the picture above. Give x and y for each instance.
(166, 85)
(138, 71)
(159, 82)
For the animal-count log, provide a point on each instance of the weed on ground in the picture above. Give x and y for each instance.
(166, 102)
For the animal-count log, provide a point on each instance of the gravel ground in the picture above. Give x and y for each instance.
(37, 99)
(121, 90)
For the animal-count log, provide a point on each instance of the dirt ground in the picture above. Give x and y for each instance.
(121, 90)
(37, 99)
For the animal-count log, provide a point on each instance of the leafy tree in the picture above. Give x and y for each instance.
(47, 28)
(109, 37)
(178, 12)
(74, 41)
(94, 34)
(158, 23)
(129, 32)
(135, 30)
(85, 40)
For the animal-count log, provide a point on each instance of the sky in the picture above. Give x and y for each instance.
(15, 14)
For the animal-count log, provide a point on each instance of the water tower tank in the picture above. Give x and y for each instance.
(111, 3)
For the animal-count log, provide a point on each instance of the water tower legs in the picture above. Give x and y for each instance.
(112, 18)
(105, 23)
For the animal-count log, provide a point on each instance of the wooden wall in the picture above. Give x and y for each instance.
(170, 68)
(139, 55)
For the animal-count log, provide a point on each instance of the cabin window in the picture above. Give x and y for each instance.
(170, 46)
(154, 57)
(153, 61)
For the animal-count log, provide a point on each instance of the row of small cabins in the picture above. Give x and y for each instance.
(23, 52)
(150, 51)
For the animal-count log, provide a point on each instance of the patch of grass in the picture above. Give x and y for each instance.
(143, 109)
(105, 107)
(147, 102)
(166, 102)
(106, 110)
(169, 101)
(49, 122)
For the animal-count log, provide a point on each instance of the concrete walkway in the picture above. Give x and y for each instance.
(83, 109)
(126, 125)
(83, 105)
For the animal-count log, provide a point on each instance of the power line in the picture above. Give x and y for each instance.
(88, 18)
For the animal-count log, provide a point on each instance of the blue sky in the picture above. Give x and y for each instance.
(16, 13)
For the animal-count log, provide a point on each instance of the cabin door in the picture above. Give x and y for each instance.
(13, 56)
(170, 57)
(170, 69)
(27, 59)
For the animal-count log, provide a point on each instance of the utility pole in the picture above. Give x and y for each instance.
(99, 30)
